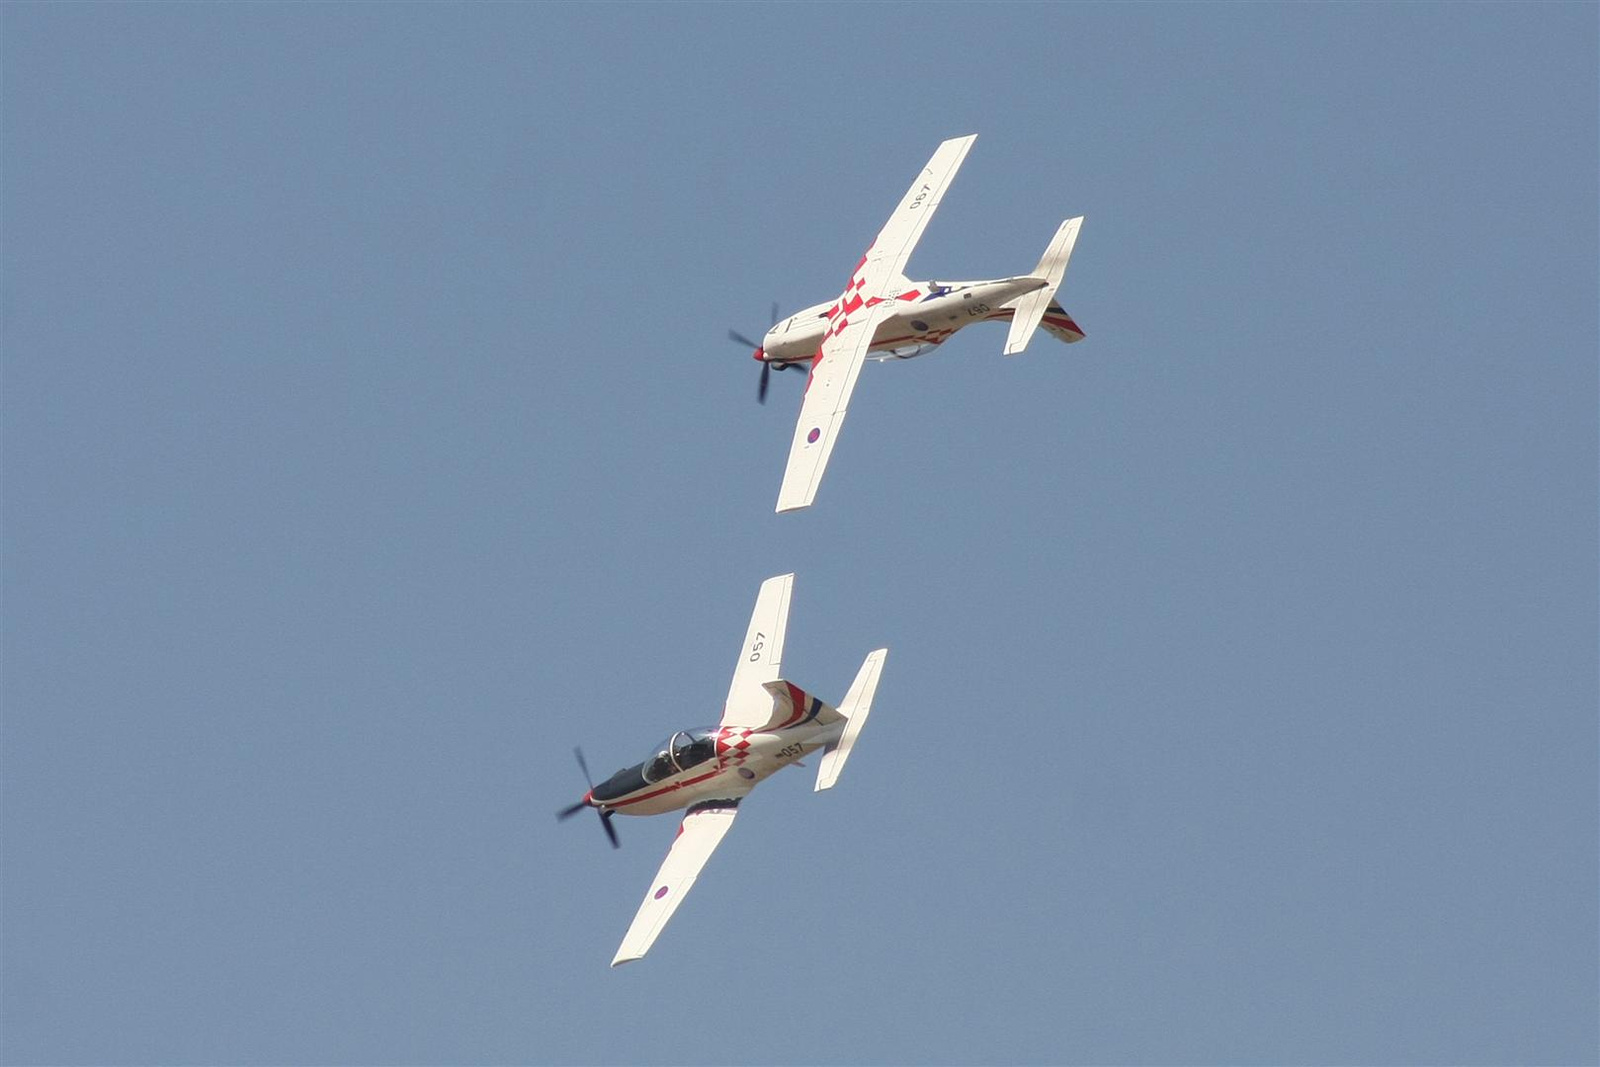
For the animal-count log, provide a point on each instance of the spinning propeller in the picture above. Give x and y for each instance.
(588, 802)
(766, 368)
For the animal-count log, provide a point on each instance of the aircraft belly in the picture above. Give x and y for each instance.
(930, 322)
(915, 322)
(725, 786)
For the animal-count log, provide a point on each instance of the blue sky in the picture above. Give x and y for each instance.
(371, 438)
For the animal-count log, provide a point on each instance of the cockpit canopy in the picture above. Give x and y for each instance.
(681, 751)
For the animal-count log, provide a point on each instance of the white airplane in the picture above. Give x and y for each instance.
(883, 312)
(767, 724)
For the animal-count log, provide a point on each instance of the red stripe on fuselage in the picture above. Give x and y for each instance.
(659, 792)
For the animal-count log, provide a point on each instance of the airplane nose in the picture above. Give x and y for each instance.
(573, 809)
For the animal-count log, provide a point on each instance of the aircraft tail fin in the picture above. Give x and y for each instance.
(857, 704)
(1058, 324)
(792, 706)
(1030, 307)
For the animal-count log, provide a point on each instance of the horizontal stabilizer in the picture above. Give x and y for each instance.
(1030, 308)
(857, 703)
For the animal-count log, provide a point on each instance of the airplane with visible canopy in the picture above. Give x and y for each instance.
(883, 315)
(768, 723)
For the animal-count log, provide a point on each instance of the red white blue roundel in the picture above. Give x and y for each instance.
(816, 432)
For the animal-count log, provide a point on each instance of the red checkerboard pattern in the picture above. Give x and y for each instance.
(733, 746)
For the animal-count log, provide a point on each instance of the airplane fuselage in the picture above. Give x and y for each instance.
(742, 759)
(927, 313)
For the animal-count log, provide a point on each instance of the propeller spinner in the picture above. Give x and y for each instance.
(761, 355)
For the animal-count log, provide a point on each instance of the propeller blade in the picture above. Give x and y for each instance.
(569, 812)
(761, 390)
(774, 313)
(735, 335)
(589, 802)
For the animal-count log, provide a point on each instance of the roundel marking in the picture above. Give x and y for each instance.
(919, 326)
(661, 892)
(746, 772)
(816, 432)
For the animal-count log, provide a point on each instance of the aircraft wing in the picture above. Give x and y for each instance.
(699, 835)
(854, 320)
(886, 259)
(833, 379)
(760, 657)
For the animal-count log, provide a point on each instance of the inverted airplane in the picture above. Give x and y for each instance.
(767, 724)
(883, 315)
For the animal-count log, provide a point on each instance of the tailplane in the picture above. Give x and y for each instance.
(1030, 307)
(857, 703)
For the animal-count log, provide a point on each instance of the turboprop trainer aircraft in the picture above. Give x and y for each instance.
(883, 315)
(767, 724)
